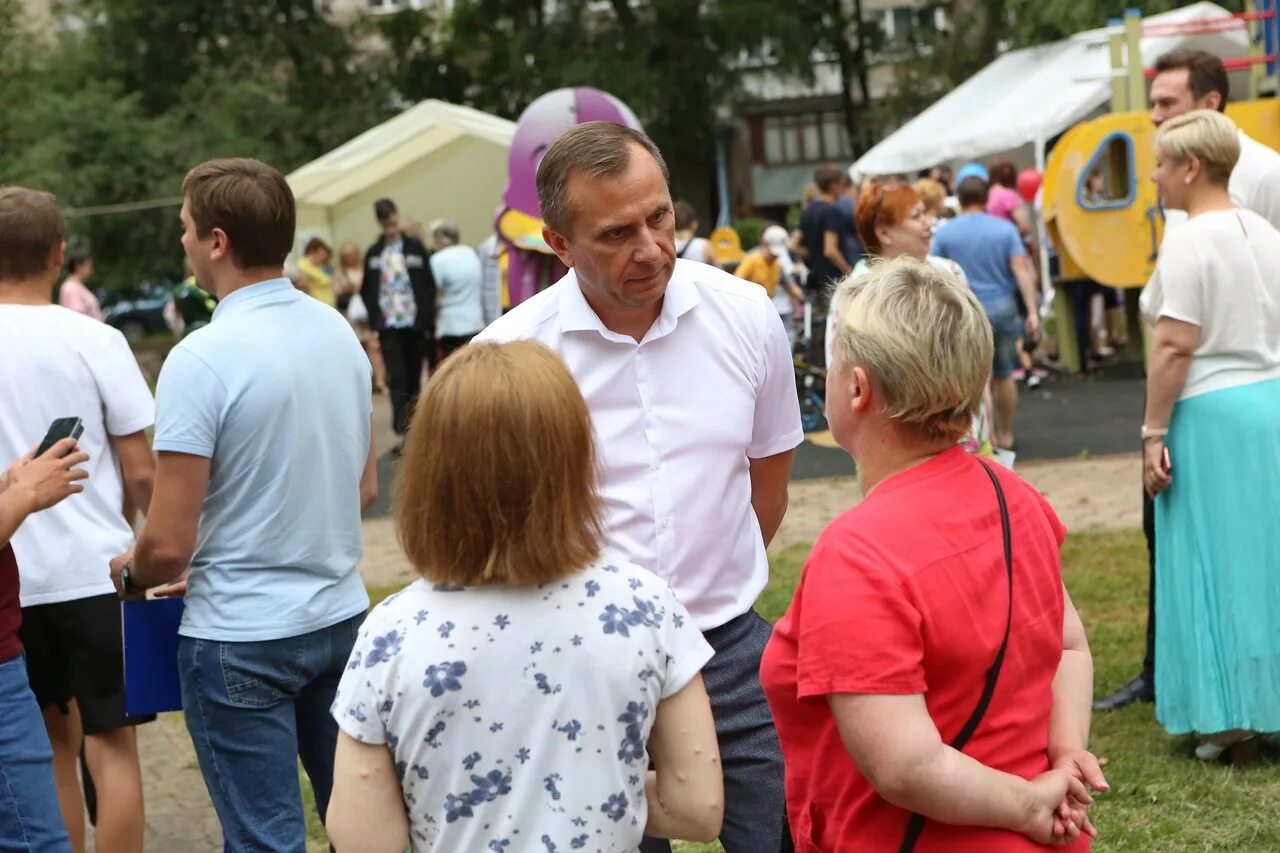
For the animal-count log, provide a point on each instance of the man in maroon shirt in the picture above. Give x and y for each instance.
(29, 813)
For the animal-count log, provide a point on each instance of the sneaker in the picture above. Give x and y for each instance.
(1018, 374)
(1033, 382)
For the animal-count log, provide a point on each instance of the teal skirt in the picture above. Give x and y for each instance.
(1218, 564)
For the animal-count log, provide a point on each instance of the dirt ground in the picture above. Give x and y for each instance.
(1100, 493)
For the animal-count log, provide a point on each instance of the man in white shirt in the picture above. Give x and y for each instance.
(56, 363)
(1189, 80)
(688, 376)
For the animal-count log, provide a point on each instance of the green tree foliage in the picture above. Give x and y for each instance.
(116, 107)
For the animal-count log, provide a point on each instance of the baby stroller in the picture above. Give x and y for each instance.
(811, 376)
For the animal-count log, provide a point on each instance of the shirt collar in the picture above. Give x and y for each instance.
(681, 297)
(253, 291)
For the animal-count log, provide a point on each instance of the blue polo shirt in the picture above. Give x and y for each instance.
(275, 391)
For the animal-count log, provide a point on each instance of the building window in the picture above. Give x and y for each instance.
(800, 138)
(903, 24)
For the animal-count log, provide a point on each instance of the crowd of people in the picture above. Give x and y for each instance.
(598, 472)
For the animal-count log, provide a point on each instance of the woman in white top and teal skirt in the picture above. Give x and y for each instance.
(1211, 448)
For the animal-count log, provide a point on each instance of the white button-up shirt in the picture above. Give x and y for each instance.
(677, 417)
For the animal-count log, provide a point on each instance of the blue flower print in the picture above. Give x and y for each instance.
(636, 713)
(443, 677)
(420, 772)
(544, 685)
(579, 822)
(570, 729)
(535, 648)
(592, 589)
(522, 754)
(615, 621)
(677, 620)
(471, 703)
(579, 842)
(502, 621)
(385, 647)
(457, 806)
(356, 712)
(393, 741)
(445, 629)
(495, 728)
(549, 784)
(646, 613)
(489, 787)
(401, 767)
(613, 569)
(499, 845)
(635, 583)
(354, 663)
(549, 844)
(420, 617)
(615, 808)
(437, 728)
(576, 639)
(471, 761)
(646, 674)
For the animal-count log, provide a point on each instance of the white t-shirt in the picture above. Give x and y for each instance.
(694, 249)
(55, 363)
(677, 419)
(1221, 275)
(518, 717)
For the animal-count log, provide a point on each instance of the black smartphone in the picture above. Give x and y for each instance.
(58, 430)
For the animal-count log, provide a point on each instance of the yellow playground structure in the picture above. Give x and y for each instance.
(1100, 208)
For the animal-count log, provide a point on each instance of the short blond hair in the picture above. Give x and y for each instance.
(924, 340)
(498, 478)
(1207, 135)
(931, 192)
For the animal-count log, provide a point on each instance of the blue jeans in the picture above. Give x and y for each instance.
(254, 709)
(29, 815)
(1007, 328)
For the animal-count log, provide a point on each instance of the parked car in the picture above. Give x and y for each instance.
(139, 311)
(161, 307)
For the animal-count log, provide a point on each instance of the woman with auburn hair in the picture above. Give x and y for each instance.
(1211, 447)
(893, 221)
(931, 662)
(517, 695)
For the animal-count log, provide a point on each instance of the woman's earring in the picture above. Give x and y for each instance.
(1187, 180)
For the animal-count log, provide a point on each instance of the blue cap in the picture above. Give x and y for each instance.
(973, 170)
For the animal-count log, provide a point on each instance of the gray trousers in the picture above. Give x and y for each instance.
(755, 811)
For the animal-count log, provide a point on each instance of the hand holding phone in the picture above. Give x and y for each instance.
(62, 428)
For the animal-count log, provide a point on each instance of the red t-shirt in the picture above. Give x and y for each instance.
(906, 593)
(10, 605)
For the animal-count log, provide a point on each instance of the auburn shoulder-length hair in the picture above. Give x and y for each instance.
(882, 204)
(498, 478)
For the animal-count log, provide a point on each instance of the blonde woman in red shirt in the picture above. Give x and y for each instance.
(931, 682)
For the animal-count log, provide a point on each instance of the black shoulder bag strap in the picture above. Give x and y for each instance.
(916, 825)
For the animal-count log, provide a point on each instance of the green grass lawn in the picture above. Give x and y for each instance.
(1161, 798)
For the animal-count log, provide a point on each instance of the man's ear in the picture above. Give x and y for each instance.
(57, 255)
(1212, 100)
(559, 244)
(221, 245)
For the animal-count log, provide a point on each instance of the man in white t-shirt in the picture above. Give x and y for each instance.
(1189, 80)
(55, 363)
(689, 380)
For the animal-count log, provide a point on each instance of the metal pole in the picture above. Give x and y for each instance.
(1119, 90)
(1133, 57)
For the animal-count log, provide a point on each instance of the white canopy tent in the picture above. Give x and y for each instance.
(1026, 97)
(436, 160)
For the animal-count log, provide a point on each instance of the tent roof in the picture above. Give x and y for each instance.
(381, 151)
(1028, 95)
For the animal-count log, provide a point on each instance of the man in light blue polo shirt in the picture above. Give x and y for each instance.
(265, 463)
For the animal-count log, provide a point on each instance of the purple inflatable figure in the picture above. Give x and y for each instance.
(531, 264)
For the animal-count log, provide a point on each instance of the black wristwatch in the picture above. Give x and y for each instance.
(126, 580)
